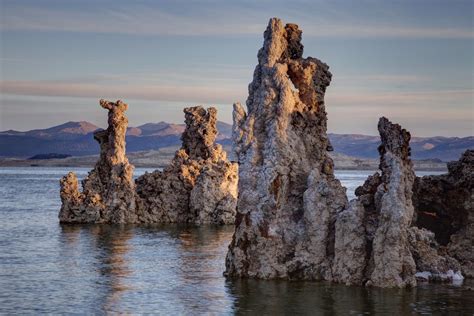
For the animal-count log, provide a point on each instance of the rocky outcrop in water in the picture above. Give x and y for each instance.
(198, 187)
(200, 184)
(432, 261)
(288, 195)
(372, 235)
(293, 218)
(108, 192)
(444, 204)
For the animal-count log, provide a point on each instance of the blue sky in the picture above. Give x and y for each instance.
(411, 61)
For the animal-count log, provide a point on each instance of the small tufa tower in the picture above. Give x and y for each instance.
(108, 192)
(200, 184)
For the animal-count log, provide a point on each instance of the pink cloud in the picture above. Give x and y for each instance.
(195, 94)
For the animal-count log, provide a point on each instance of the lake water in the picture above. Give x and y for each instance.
(169, 270)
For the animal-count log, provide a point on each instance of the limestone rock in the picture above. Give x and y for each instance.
(432, 262)
(376, 242)
(351, 241)
(393, 263)
(377, 251)
(108, 192)
(293, 218)
(444, 204)
(200, 133)
(200, 184)
(288, 195)
(461, 247)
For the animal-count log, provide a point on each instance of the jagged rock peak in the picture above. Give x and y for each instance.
(288, 196)
(280, 42)
(108, 191)
(116, 130)
(394, 264)
(372, 235)
(200, 133)
(376, 242)
(464, 167)
(394, 139)
(200, 184)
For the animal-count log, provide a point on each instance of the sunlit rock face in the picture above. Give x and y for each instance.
(288, 195)
(198, 187)
(200, 184)
(444, 204)
(293, 218)
(108, 192)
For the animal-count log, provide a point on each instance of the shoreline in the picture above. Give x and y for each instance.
(59, 163)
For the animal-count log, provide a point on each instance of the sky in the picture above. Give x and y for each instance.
(411, 61)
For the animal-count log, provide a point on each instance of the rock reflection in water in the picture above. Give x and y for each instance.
(112, 261)
(201, 265)
(260, 297)
(109, 250)
(179, 268)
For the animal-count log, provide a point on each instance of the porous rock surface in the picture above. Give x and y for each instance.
(288, 195)
(108, 192)
(444, 204)
(200, 184)
(372, 235)
(198, 187)
(376, 241)
(293, 218)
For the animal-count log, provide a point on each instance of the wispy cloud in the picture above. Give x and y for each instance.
(387, 31)
(419, 110)
(406, 78)
(400, 98)
(216, 20)
(226, 93)
(195, 94)
(136, 20)
(386, 78)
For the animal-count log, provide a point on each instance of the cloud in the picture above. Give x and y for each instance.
(136, 20)
(388, 31)
(225, 93)
(211, 20)
(384, 78)
(195, 94)
(423, 112)
(400, 98)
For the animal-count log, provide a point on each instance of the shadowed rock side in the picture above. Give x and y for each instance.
(288, 195)
(372, 234)
(200, 184)
(108, 192)
(444, 204)
(376, 242)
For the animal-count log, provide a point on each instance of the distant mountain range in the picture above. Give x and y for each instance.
(75, 138)
(437, 147)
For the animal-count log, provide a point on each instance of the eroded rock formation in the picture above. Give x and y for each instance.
(288, 195)
(108, 191)
(293, 218)
(372, 235)
(200, 184)
(444, 204)
(198, 187)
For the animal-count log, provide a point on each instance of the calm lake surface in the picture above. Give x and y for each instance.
(170, 270)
